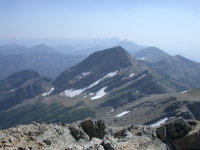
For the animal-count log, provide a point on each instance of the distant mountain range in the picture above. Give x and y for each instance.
(21, 86)
(41, 58)
(176, 71)
(51, 61)
(72, 46)
(86, 49)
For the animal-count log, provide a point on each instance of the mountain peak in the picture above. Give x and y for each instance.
(116, 49)
(97, 65)
(151, 54)
(24, 74)
(112, 58)
(43, 48)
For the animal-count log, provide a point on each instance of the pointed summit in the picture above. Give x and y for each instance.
(95, 67)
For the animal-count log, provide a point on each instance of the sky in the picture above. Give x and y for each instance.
(172, 25)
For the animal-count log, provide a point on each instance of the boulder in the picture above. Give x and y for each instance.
(94, 128)
(180, 134)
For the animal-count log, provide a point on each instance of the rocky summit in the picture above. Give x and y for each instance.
(89, 134)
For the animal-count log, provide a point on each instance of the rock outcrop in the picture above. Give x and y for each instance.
(88, 134)
(180, 134)
(92, 134)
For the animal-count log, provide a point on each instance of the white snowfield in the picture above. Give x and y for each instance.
(183, 92)
(131, 74)
(159, 122)
(122, 114)
(142, 76)
(45, 94)
(111, 74)
(72, 92)
(95, 83)
(99, 94)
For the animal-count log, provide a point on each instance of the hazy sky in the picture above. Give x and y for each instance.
(173, 25)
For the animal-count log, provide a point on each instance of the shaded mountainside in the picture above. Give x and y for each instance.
(148, 110)
(20, 86)
(96, 66)
(41, 58)
(44, 112)
(50, 65)
(151, 54)
(178, 72)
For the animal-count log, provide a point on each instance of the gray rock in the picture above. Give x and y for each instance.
(94, 128)
(92, 134)
(176, 135)
(77, 132)
(47, 142)
(110, 143)
(94, 144)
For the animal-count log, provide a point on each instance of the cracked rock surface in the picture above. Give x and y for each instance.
(88, 134)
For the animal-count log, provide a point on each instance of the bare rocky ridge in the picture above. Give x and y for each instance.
(92, 134)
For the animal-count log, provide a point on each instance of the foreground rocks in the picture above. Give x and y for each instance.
(180, 134)
(92, 134)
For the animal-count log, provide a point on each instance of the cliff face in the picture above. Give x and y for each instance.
(92, 134)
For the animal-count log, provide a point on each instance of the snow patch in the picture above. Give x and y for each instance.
(99, 94)
(95, 83)
(72, 92)
(83, 75)
(45, 94)
(159, 122)
(12, 90)
(183, 92)
(122, 114)
(131, 74)
(142, 76)
(111, 74)
(141, 58)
